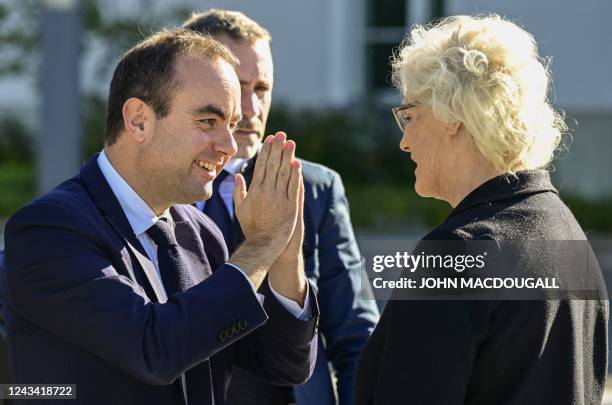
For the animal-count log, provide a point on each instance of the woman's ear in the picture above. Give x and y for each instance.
(453, 127)
(136, 118)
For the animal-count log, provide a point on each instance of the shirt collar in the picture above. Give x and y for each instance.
(234, 166)
(238, 165)
(140, 216)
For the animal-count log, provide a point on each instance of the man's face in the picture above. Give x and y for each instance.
(256, 79)
(192, 144)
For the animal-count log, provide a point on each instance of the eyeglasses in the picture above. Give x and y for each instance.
(399, 118)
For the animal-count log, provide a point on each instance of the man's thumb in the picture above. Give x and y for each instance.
(240, 190)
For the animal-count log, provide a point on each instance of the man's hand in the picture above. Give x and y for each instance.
(268, 212)
(286, 274)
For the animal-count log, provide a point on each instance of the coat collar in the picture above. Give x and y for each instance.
(505, 187)
(104, 198)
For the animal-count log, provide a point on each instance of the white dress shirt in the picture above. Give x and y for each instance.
(141, 217)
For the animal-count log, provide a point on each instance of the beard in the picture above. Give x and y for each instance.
(248, 145)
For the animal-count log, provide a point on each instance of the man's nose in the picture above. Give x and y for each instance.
(251, 105)
(225, 142)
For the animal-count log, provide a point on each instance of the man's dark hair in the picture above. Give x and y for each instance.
(146, 71)
(234, 24)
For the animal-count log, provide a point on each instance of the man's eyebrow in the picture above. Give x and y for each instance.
(259, 82)
(210, 109)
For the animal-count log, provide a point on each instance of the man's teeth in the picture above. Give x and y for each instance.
(205, 165)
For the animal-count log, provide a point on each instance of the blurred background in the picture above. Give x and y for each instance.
(332, 93)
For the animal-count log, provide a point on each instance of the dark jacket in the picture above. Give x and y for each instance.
(81, 309)
(493, 352)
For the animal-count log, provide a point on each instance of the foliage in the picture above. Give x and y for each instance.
(119, 31)
(95, 116)
(361, 143)
(16, 141)
(592, 215)
(362, 147)
(110, 33)
(17, 185)
(19, 36)
(392, 207)
(16, 165)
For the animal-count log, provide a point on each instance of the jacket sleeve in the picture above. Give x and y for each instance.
(348, 312)
(284, 350)
(61, 278)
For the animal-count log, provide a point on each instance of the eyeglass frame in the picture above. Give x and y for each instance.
(400, 119)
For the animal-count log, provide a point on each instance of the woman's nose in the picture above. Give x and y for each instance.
(404, 143)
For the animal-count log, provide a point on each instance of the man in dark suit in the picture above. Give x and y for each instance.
(330, 249)
(113, 284)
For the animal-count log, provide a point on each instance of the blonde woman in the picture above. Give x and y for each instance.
(476, 121)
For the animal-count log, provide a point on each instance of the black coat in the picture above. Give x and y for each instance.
(492, 352)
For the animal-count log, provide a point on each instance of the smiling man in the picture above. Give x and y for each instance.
(331, 254)
(114, 285)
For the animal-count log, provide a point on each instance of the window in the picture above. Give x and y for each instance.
(388, 21)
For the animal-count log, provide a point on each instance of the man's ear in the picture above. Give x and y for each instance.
(137, 118)
(453, 127)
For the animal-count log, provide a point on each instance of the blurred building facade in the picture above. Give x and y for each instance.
(334, 54)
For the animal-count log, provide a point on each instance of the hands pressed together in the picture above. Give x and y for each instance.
(271, 217)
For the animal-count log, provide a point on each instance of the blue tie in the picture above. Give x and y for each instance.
(171, 263)
(216, 210)
(172, 268)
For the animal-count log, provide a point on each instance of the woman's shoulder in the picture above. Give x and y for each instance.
(462, 228)
(535, 216)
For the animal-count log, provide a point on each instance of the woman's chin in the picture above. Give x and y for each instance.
(420, 190)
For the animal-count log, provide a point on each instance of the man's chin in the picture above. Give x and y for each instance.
(246, 152)
(199, 195)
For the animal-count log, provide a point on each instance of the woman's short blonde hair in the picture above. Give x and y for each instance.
(484, 72)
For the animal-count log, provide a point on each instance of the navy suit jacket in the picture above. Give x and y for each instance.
(81, 309)
(348, 313)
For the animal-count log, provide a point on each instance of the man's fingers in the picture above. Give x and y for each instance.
(301, 200)
(259, 171)
(274, 160)
(298, 233)
(299, 226)
(240, 191)
(294, 182)
(284, 172)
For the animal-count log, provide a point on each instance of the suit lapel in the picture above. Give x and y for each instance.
(149, 271)
(107, 203)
